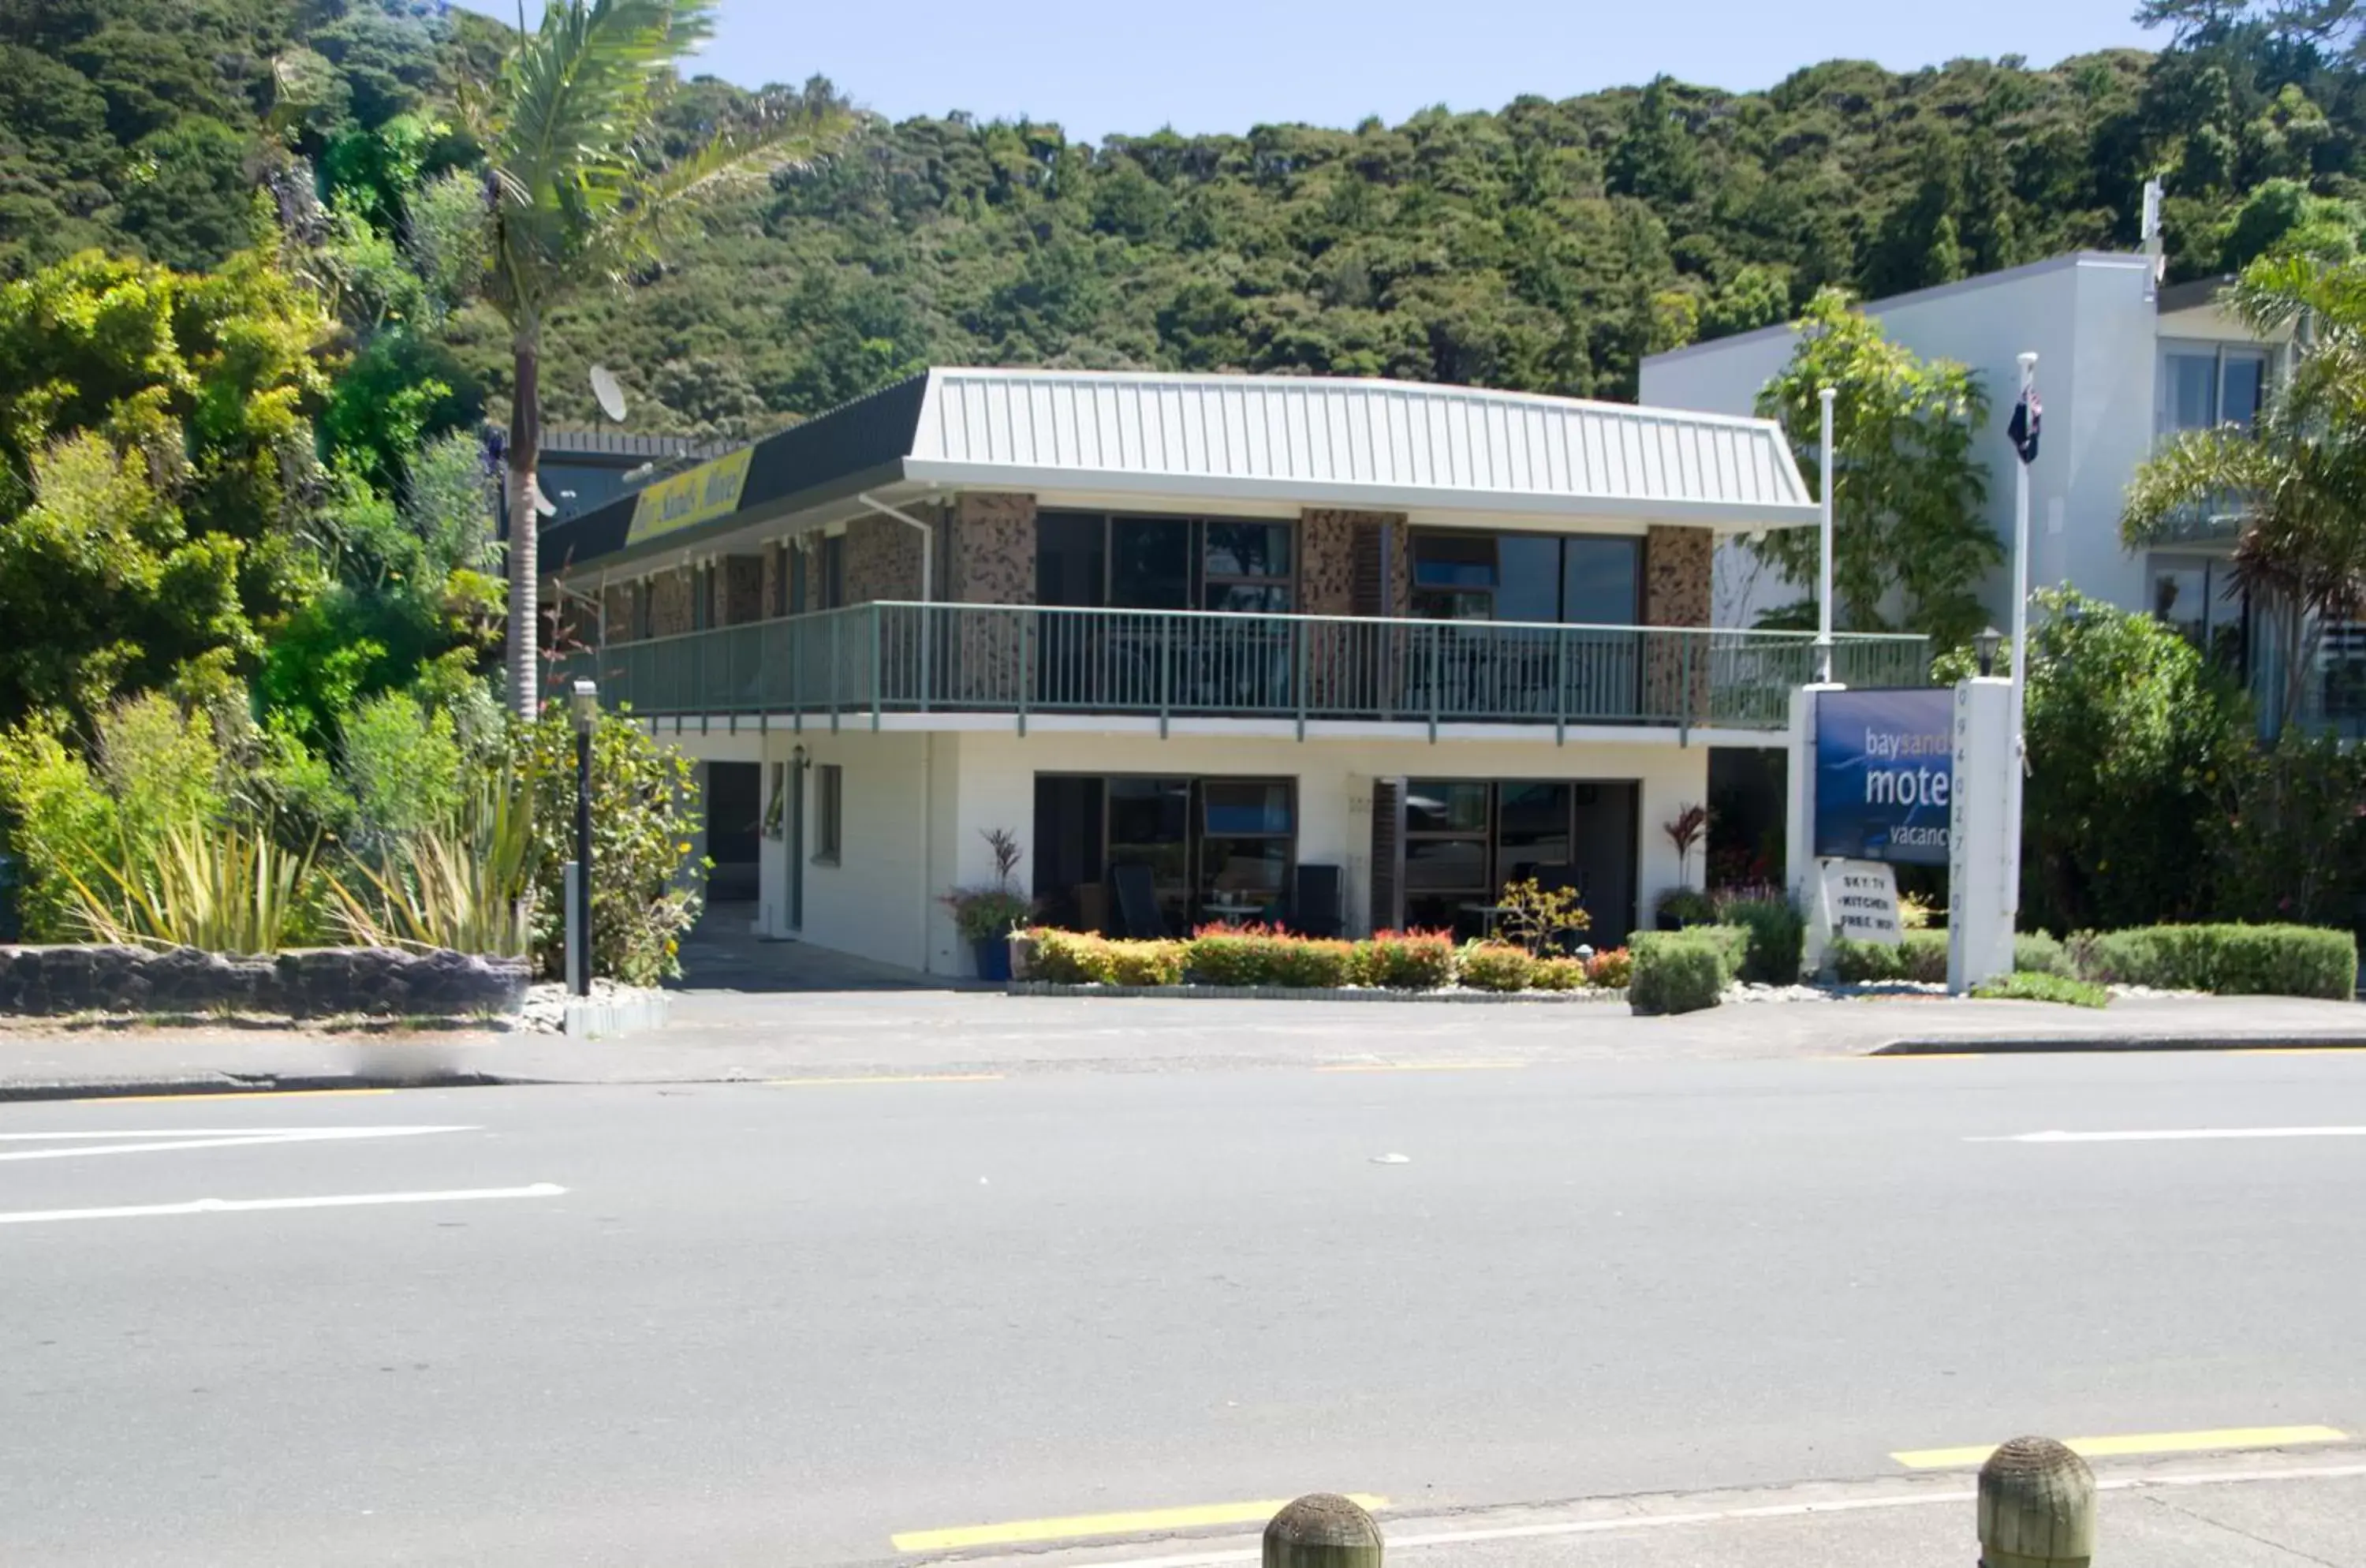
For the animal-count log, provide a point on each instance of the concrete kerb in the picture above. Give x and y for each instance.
(2042, 1044)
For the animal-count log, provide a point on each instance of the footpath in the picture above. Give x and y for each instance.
(723, 1036)
(2270, 1510)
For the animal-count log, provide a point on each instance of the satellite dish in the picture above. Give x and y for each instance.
(610, 394)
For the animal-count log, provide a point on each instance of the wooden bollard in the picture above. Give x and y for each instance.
(2037, 1506)
(1322, 1531)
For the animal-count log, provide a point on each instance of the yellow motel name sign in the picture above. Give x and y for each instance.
(700, 495)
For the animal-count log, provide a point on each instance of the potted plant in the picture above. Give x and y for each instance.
(1682, 906)
(985, 916)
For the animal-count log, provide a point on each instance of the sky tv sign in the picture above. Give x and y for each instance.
(1885, 774)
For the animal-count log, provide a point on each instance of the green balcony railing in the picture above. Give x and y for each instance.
(871, 659)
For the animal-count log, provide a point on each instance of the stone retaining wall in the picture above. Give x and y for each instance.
(305, 983)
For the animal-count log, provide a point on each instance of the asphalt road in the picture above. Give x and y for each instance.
(784, 1324)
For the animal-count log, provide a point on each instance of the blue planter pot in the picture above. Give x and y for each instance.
(992, 955)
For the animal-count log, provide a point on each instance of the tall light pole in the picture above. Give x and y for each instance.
(1824, 572)
(583, 705)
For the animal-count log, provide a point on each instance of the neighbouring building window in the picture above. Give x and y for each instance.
(2205, 385)
(1573, 579)
(2197, 595)
(829, 801)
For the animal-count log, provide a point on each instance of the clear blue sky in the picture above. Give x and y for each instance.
(1095, 67)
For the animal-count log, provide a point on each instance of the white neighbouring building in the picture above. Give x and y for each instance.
(2123, 362)
(1345, 654)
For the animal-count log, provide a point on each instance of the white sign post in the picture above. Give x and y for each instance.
(1984, 862)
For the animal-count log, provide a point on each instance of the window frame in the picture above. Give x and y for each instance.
(2222, 354)
(829, 812)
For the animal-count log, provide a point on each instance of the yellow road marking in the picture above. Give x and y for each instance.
(1076, 1526)
(229, 1094)
(1418, 1066)
(2139, 1443)
(889, 1078)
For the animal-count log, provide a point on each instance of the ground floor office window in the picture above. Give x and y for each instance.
(1464, 839)
(1211, 848)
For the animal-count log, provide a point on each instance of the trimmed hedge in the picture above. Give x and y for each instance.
(2229, 960)
(1680, 971)
(1407, 960)
(1259, 956)
(2035, 953)
(1497, 966)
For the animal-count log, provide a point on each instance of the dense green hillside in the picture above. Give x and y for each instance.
(1546, 245)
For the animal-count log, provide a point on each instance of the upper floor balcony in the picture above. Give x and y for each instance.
(905, 665)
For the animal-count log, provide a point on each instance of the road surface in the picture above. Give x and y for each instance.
(792, 1323)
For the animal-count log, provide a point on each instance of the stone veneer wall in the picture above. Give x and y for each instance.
(990, 550)
(306, 982)
(616, 612)
(741, 585)
(1676, 566)
(669, 604)
(1329, 542)
(882, 560)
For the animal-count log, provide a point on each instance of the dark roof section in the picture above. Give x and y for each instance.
(805, 460)
(2176, 296)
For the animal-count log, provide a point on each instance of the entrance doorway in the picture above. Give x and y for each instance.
(1461, 839)
(735, 826)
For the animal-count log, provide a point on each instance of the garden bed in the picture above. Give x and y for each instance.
(1314, 993)
(302, 983)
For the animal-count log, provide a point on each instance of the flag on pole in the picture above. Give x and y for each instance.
(2023, 428)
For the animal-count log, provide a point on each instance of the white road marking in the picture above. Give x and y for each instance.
(253, 1205)
(74, 1143)
(2170, 1135)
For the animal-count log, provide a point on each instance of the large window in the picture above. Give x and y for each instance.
(1464, 839)
(829, 812)
(1576, 580)
(1214, 847)
(2205, 385)
(1165, 563)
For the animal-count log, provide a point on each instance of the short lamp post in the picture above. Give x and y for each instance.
(583, 706)
(1985, 645)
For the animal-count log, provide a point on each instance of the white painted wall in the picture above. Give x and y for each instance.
(2092, 320)
(1335, 779)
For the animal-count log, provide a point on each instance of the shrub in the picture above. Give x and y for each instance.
(2042, 986)
(1777, 937)
(1146, 962)
(2035, 953)
(403, 764)
(983, 914)
(221, 887)
(1677, 972)
(2290, 961)
(645, 884)
(1495, 966)
(466, 884)
(1732, 944)
(1406, 961)
(1540, 919)
(1259, 956)
(1611, 968)
(1923, 956)
(1559, 974)
(1081, 958)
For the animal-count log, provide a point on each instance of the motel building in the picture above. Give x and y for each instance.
(1345, 655)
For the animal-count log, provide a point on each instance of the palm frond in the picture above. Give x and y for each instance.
(2199, 468)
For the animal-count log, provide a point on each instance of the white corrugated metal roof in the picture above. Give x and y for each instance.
(1391, 444)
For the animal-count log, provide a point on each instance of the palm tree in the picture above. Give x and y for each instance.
(575, 197)
(2296, 483)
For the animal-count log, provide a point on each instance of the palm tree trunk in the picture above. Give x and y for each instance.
(525, 565)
